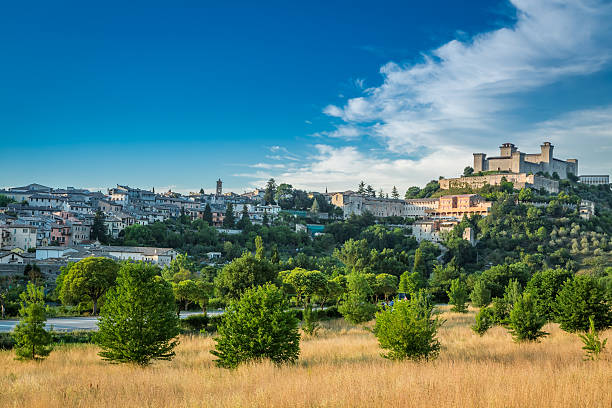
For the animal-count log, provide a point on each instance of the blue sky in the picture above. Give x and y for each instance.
(322, 94)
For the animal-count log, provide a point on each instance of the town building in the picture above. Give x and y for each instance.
(595, 180)
(18, 236)
(458, 206)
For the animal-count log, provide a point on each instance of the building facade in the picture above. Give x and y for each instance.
(595, 180)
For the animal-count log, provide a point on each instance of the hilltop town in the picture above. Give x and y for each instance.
(50, 226)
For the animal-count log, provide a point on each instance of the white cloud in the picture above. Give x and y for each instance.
(342, 132)
(458, 94)
(463, 97)
(584, 134)
(341, 168)
(268, 166)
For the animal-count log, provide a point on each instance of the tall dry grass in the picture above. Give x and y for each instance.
(342, 367)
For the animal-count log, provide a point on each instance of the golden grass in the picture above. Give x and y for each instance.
(342, 367)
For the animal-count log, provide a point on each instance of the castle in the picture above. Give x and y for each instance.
(524, 170)
(512, 160)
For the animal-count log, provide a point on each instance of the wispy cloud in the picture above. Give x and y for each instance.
(463, 97)
(465, 86)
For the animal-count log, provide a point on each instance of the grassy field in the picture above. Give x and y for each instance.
(341, 367)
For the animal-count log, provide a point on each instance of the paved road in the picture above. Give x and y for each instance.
(78, 323)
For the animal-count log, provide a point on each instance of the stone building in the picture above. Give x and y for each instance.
(520, 180)
(512, 160)
(358, 204)
(458, 206)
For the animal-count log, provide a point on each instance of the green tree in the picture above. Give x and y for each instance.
(207, 214)
(394, 193)
(408, 330)
(229, 220)
(260, 251)
(5, 201)
(243, 273)
(468, 171)
(315, 206)
(32, 341)
(580, 298)
(270, 191)
(410, 283)
(306, 284)
(458, 296)
(89, 279)
(257, 326)
(481, 295)
(361, 188)
(244, 221)
(356, 307)
(98, 229)
(485, 319)
(386, 285)
(525, 323)
(420, 265)
(545, 286)
(137, 322)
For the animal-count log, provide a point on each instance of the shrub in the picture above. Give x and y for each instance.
(356, 307)
(578, 300)
(138, 323)
(310, 324)
(458, 295)
(525, 323)
(32, 341)
(501, 311)
(485, 319)
(545, 285)
(481, 295)
(593, 346)
(195, 323)
(258, 326)
(408, 330)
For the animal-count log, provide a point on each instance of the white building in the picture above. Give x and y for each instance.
(595, 180)
(158, 256)
(18, 235)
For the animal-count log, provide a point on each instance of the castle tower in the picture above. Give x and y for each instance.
(219, 187)
(479, 162)
(506, 149)
(546, 154)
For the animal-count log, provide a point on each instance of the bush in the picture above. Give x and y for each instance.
(258, 326)
(195, 323)
(310, 324)
(578, 300)
(485, 319)
(138, 322)
(408, 330)
(481, 295)
(458, 295)
(593, 345)
(6, 341)
(545, 285)
(501, 311)
(525, 322)
(356, 307)
(74, 337)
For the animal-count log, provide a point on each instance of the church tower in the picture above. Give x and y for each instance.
(219, 187)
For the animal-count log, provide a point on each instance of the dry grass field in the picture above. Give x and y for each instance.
(342, 367)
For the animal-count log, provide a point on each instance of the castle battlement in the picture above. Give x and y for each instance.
(512, 160)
